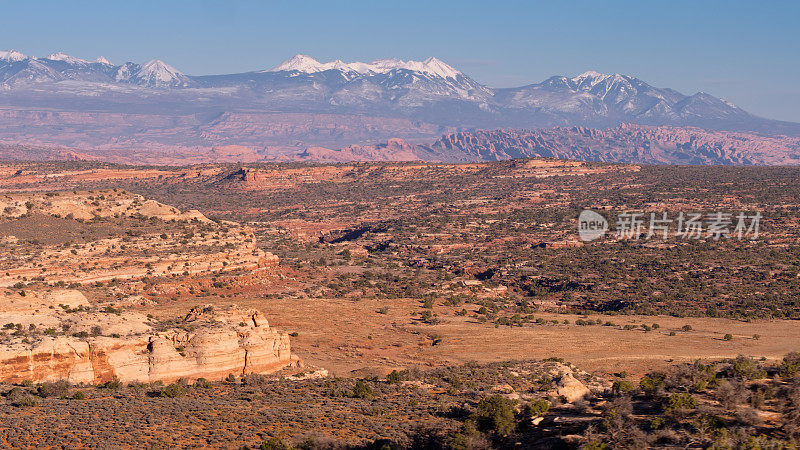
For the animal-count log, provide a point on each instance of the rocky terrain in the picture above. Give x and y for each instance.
(638, 144)
(431, 305)
(732, 403)
(56, 335)
(114, 241)
(625, 143)
(101, 236)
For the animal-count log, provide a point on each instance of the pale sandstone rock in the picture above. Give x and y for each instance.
(570, 388)
(211, 344)
(313, 375)
(234, 246)
(66, 297)
(87, 205)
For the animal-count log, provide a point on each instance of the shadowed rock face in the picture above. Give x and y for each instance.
(130, 347)
(625, 143)
(636, 144)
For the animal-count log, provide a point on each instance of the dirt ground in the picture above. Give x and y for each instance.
(351, 337)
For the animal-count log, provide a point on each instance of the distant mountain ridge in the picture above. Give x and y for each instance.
(428, 90)
(303, 103)
(19, 71)
(625, 143)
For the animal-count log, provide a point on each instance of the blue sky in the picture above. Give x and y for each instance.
(746, 52)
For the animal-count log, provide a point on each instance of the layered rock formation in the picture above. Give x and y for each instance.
(80, 343)
(88, 205)
(625, 143)
(392, 150)
(56, 238)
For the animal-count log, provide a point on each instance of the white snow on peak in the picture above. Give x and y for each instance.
(59, 56)
(153, 73)
(158, 71)
(103, 60)
(591, 79)
(590, 74)
(301, 63)
(307, 64)
(12, 55)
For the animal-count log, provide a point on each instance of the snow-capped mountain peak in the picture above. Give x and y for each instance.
(160, 70)
(590, 74)
(103, 60)
(434, 66)
(60, 56)
(307, 64)
(12, 55)
(300, 63)
(157, 73)
(427, 88)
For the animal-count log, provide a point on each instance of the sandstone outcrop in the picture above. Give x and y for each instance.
(393, 150)
(246, 175)
(142, 238)
(88, 205)
(570, 388)
(59, 335)
(567, 385)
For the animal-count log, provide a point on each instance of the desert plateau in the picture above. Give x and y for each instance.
(265, 225)
(230, 287)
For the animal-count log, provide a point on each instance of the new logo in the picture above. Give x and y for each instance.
(591, 225)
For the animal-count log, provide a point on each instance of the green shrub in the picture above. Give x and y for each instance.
(394, 377)
(681, 400)
(174, 390)
(53, 389)
(362, 390)
(78, 395)
(495, 414)
(536, 408)
(467, 437)
(745, 368)
(652, 384)
(622, 387)
(255, 379)
(111, 384)
(790, 365)
(203, 383)
(26, 400)
(657, 423)
(728, 337)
